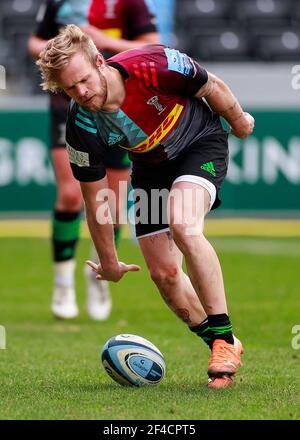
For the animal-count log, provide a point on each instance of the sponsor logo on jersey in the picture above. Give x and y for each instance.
(79, 158)
(160, 133)
(155, 102)
(179, 62)
(114, 138)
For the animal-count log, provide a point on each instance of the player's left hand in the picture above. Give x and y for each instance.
(114, 273)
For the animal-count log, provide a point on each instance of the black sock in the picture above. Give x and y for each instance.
(65, 234)
(204, 332)
(117, 235)
(220, 327)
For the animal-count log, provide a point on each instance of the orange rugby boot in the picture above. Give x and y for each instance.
(224, 381)
(225, 358)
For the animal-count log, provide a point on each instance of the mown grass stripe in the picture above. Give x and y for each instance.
(213, 228)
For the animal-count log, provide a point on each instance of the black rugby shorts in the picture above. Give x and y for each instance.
(208, 159)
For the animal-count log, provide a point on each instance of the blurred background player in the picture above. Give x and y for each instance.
(115, 26)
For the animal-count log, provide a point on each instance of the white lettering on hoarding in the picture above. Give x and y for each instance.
(253, 161)
(296, 77)
(2, 78)
(25, 162)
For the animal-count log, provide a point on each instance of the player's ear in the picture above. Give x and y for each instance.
(100, 60)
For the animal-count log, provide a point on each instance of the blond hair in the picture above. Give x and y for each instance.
(59, 50)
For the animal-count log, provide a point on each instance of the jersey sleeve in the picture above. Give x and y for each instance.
(140, 16)
(46, 26)
(84, 146)
(179, 74)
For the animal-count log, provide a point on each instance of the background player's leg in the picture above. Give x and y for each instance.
(65, 234)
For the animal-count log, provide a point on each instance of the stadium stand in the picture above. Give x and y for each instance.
(222, 44)
(17, 19)
(210, 30)
(239, 30)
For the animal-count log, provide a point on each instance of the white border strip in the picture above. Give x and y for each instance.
(153, 233)
(206, 184)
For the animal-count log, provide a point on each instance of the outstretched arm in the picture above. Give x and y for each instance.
(221, 100)
(116, 45)
(139, 20)
(101, 40)
(36, 45)
(101, 230)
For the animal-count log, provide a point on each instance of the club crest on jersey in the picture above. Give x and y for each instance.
(154, 101)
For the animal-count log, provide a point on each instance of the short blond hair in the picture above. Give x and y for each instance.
(59, 50)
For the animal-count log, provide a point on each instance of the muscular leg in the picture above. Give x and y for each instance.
(206, 276)
(164, 261)
(202, 262)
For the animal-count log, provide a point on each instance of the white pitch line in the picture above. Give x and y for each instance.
(253, 246)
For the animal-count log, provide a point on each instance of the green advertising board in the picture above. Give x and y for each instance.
(264, 170)
(26, 176)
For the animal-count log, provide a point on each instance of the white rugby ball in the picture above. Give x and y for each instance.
(132, 360)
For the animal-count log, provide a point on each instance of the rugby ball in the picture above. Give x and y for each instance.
(132, 360)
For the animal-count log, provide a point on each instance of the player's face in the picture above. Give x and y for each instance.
(84, 83)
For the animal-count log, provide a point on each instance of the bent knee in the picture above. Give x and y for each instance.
(185, 235)
(69, 198)
(165, 276)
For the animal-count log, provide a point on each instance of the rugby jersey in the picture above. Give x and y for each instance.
(158, 119)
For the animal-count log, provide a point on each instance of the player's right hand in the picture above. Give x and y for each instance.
(114, 273)
(245, 126)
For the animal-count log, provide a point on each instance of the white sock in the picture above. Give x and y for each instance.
(64, 273)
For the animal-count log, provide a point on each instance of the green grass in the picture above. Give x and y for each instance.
(52, 370)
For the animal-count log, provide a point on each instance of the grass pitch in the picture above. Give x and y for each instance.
(52, 369)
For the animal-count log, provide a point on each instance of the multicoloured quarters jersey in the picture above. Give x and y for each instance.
(158, 120)
(118, 18)
(123, 18)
